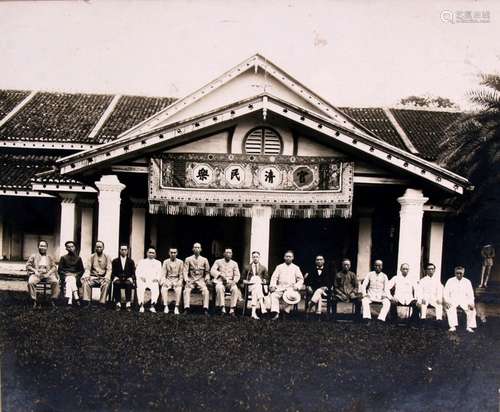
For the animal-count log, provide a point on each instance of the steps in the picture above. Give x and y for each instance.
(491, 294)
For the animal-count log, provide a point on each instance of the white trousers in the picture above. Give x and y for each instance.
(171, 285)
(386, 305)
(276, 296)
(70, 287)
(451, 313)
(437, 306)
(141, 289)
(220, 291)
(317, 299)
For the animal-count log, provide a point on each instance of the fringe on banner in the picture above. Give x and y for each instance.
(343, 211)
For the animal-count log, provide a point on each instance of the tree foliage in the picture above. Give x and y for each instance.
(428, 101)
(472, 148)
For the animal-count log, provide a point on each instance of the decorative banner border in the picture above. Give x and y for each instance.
(230, 184)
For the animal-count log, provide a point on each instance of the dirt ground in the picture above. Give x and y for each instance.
(101, 360)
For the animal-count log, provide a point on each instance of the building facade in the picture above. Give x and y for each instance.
(254, 160)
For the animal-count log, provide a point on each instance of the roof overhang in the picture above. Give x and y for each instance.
(359, 142)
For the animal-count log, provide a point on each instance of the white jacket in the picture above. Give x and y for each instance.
(149, 269)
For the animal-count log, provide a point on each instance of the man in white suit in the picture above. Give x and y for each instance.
(458, 292)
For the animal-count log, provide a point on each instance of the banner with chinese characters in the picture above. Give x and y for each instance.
(230, 184)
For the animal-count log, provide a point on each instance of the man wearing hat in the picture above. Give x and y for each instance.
(285, 283)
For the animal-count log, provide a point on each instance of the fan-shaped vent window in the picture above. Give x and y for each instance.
(263, 140)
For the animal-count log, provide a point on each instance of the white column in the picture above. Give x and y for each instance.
(410, 230)
(87, 222)
(364, 245)
(67, 221)
(259, 232)
(436, 237)
(138, 231)
(108, 226)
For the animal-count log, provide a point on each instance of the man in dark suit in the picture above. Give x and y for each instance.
(256, 281)
(319, 281)
(123, 277)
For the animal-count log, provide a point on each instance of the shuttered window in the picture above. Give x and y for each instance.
(263, 140)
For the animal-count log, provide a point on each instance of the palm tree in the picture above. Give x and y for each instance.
(472, 148)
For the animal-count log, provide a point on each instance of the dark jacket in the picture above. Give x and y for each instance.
(122, 273)
(70, 264)
(315, 280)
(261, 272)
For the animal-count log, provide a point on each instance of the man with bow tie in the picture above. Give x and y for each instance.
(318, 282)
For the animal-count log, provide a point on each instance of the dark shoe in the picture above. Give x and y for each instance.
(53, 304)
(186, 311)
(232, 314)
(205, 312)
(77, 303)
(36, 305)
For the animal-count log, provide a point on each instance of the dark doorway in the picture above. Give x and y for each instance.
(214, 234)
(333, 238)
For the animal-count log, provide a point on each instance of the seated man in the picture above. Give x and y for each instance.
(71, 269)
(404, 290)
(123, 277)
(148, 274)
(430, 293)
(345, 289)
(318, 282)
(196, 275)
(458, 292)
(256, 278)
(286, 276)
(97, 273)
(172, 278)
(226, 275)
(374, 289)
(41, 266)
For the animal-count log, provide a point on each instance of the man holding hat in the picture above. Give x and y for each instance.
(285, 283)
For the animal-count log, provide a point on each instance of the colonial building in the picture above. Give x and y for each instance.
(254, 160)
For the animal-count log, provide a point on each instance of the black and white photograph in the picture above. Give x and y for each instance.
(249, 205)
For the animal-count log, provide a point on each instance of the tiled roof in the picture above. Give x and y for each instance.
(9, 99)
(129, 111)
(425, 128)
(18, 170)
(375, 120)
(60, 117)
(70, 118)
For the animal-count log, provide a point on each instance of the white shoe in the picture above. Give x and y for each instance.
(223, 310)
(452, 329)
(165, 310)
(176, 311)
(141, 309)
(470, 330)
(118, 305)
(128, 305)
(152, 309)
(255, 317)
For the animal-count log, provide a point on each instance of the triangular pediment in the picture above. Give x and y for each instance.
(267, 108)
(252, 77)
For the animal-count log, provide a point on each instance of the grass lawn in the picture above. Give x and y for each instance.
(72, 360)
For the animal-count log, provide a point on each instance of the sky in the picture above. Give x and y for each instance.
(360, 54)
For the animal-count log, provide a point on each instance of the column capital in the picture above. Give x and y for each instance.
(262, 211)
(109, 183)
(67, 197)
(412, 197)
(86, 202)
(138, 202)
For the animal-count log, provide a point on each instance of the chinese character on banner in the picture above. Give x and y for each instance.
(235, 175)
(203, 174)
(270, 177)
(303, 176)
